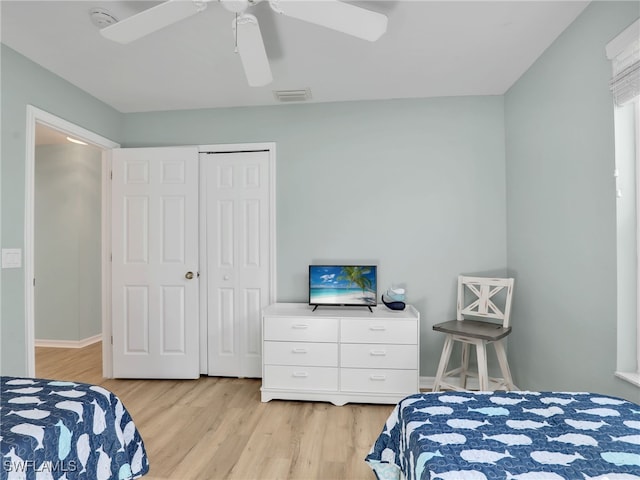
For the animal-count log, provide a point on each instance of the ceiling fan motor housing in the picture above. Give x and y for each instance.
(235, 6)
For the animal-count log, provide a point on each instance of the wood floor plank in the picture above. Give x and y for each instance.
(217, 428)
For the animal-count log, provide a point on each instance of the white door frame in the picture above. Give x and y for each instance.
(35, 116)
(233, 148)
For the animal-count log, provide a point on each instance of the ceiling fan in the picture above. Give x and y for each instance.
(333, 14)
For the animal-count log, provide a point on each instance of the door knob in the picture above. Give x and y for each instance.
(226, 277)
(188, 275)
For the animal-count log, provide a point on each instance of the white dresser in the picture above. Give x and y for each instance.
(339, 355)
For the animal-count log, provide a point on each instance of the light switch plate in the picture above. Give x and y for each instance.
(11, 257)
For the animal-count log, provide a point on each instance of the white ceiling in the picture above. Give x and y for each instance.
(430, 49)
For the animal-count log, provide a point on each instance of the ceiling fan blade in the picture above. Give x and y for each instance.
(251, 50)
(336, 15)
(151, 20)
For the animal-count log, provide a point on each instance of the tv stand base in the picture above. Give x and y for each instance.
(344, 306)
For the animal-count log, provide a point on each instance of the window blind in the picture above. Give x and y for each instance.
(624, 53)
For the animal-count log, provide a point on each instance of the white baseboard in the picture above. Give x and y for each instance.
(68, 343)
(426, 383)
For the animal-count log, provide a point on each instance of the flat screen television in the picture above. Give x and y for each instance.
(343, 285)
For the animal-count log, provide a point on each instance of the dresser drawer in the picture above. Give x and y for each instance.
(301, 329)
(378, 381)
(299, 353)
(379, 355)
(300, 378)
(378, 331)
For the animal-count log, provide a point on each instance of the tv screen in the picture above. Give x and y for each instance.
(343, 285)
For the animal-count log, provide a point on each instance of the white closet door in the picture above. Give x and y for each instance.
(155, 295)
(236, 199)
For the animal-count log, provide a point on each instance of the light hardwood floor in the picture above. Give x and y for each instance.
(217, 428)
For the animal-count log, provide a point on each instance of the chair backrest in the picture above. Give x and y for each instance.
(482, 302)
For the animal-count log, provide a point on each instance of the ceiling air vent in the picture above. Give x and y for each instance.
(292, 95)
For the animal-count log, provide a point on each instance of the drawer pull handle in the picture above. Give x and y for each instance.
(378, 377)
(300, 326)
(377, 328)
(299, 350)
(300, 374)
(378, 353)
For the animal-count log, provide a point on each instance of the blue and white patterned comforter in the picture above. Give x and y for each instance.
(509, 435)
(66, 430)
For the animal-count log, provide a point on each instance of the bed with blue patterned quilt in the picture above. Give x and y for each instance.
(509, 435)
(64, 431)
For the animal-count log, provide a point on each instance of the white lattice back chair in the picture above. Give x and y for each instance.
(479, 299)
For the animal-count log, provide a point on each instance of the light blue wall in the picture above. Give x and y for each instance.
(561, 221)
(424, 172)
(22, 82)
(343, 187)
(68, 242)
(416, 186)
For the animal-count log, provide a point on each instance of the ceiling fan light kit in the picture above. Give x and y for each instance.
(333, 14)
